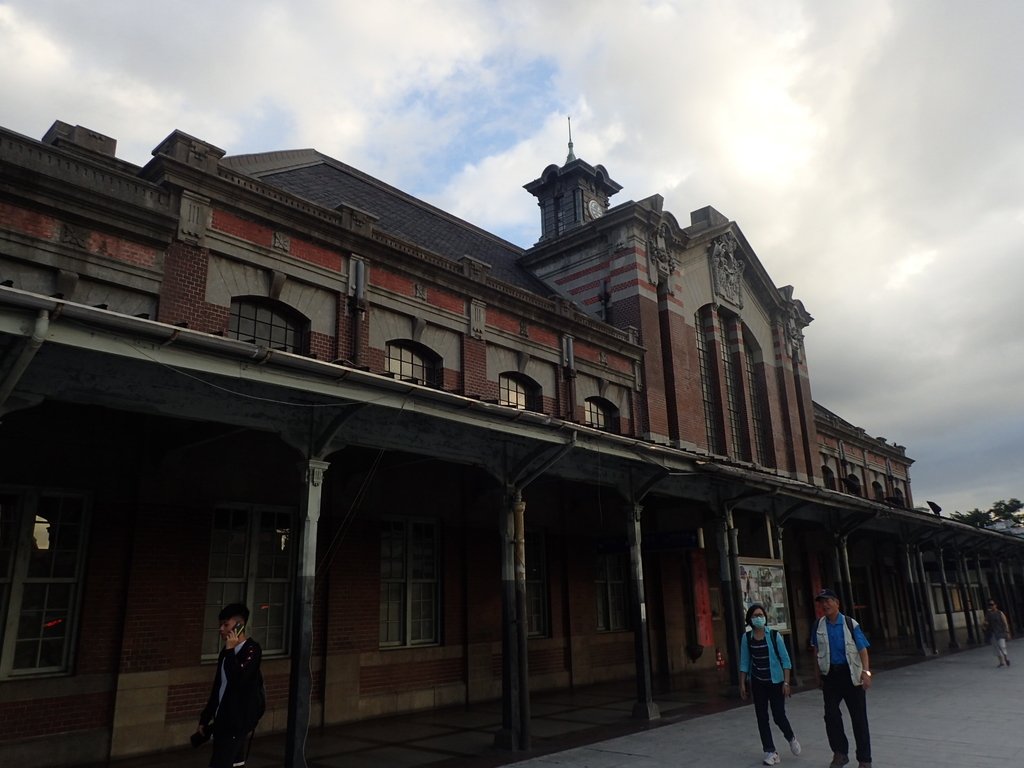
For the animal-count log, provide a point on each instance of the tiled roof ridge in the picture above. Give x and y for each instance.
(269, 163)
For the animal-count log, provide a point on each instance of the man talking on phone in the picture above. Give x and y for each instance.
(231, 713)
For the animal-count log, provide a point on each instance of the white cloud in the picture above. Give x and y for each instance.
(872, 153)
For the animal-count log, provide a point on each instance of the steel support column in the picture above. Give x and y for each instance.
(966, 596)
(947, 601)
(926, 601)
(728, 596)
(644, 708)
(915, 603)
(300, 684)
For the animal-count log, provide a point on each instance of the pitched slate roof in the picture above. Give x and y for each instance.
(330, 183)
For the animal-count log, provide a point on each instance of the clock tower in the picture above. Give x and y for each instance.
(571, 195)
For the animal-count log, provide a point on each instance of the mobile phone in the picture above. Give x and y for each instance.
(239, 627)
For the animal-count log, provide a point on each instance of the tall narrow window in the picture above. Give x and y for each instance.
(518, 391)
(733, 394)
(709, 386)
(610, 581)
(828, 477)
(268, 323)
(536, 585)
(409, 583)
(252, 556)
(409, 361)
(42, 541)
(764, 450)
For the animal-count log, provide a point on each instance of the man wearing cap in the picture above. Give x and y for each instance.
(232, 710)
(844, 675)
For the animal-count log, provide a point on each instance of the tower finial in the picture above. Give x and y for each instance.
(570, 157)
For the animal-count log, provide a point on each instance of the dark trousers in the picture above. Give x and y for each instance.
(765, 695)
(228, 751)
(838, 687)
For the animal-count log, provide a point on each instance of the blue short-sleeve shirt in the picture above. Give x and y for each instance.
(837, 639)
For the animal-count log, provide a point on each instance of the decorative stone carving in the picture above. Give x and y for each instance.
(660, 259)
(524, 327)
(281, 242)
(421, 291)
(794, 319)
(193, 218)
(76, 237)
(477, 318)
(727, 270)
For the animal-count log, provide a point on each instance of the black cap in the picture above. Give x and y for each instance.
(234, 609)
(825, 594)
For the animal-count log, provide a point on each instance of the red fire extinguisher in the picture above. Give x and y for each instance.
(719, 659)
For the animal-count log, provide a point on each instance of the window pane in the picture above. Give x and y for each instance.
(270, 324)
(8, 536)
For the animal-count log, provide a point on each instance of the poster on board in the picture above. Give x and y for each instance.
(764, 581)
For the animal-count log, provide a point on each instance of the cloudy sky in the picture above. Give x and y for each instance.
(871, 152)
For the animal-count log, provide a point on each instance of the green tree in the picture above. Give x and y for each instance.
(1001, 511)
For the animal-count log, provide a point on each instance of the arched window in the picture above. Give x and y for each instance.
(268, 323)
(897, 497)
(878, 490)
(519, 391)
(411, 361)
(852, 484)
(828, 477)
(600, 414)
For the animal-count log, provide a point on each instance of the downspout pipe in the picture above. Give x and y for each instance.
(35, 340)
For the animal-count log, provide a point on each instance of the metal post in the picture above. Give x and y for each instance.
(926, 601)
(508, 735)
(966, 598)
(794, 656)
(728, 598)
(915, 607)
(644, 708)
(300, 684)
(847, 583)
(947, 602)
(522, 621)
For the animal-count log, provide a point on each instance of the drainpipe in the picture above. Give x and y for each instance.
(28, 351)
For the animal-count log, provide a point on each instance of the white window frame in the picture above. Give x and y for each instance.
(246, 586)
(13, 582)
(405, 584)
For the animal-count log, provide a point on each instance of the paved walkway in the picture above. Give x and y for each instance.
(952, 710)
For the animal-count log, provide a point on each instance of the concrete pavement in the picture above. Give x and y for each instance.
(954, 710)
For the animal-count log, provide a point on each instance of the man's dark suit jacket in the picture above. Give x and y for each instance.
(237, 713)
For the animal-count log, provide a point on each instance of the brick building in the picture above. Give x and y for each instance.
(440, 468)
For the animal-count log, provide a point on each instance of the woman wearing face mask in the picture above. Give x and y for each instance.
(764, 662)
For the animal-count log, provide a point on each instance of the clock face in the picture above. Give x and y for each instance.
(595, 209)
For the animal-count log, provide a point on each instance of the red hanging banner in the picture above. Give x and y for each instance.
(701, 598)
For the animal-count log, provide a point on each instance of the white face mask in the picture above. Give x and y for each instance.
(758, 622)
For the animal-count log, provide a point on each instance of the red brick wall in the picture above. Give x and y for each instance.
(242, 228)
(183, 292)
(61, 714)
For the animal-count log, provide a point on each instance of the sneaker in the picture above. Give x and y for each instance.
(794, 746)
(1007, 661)
(863, 764)
(838, 760)
(771, 758)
